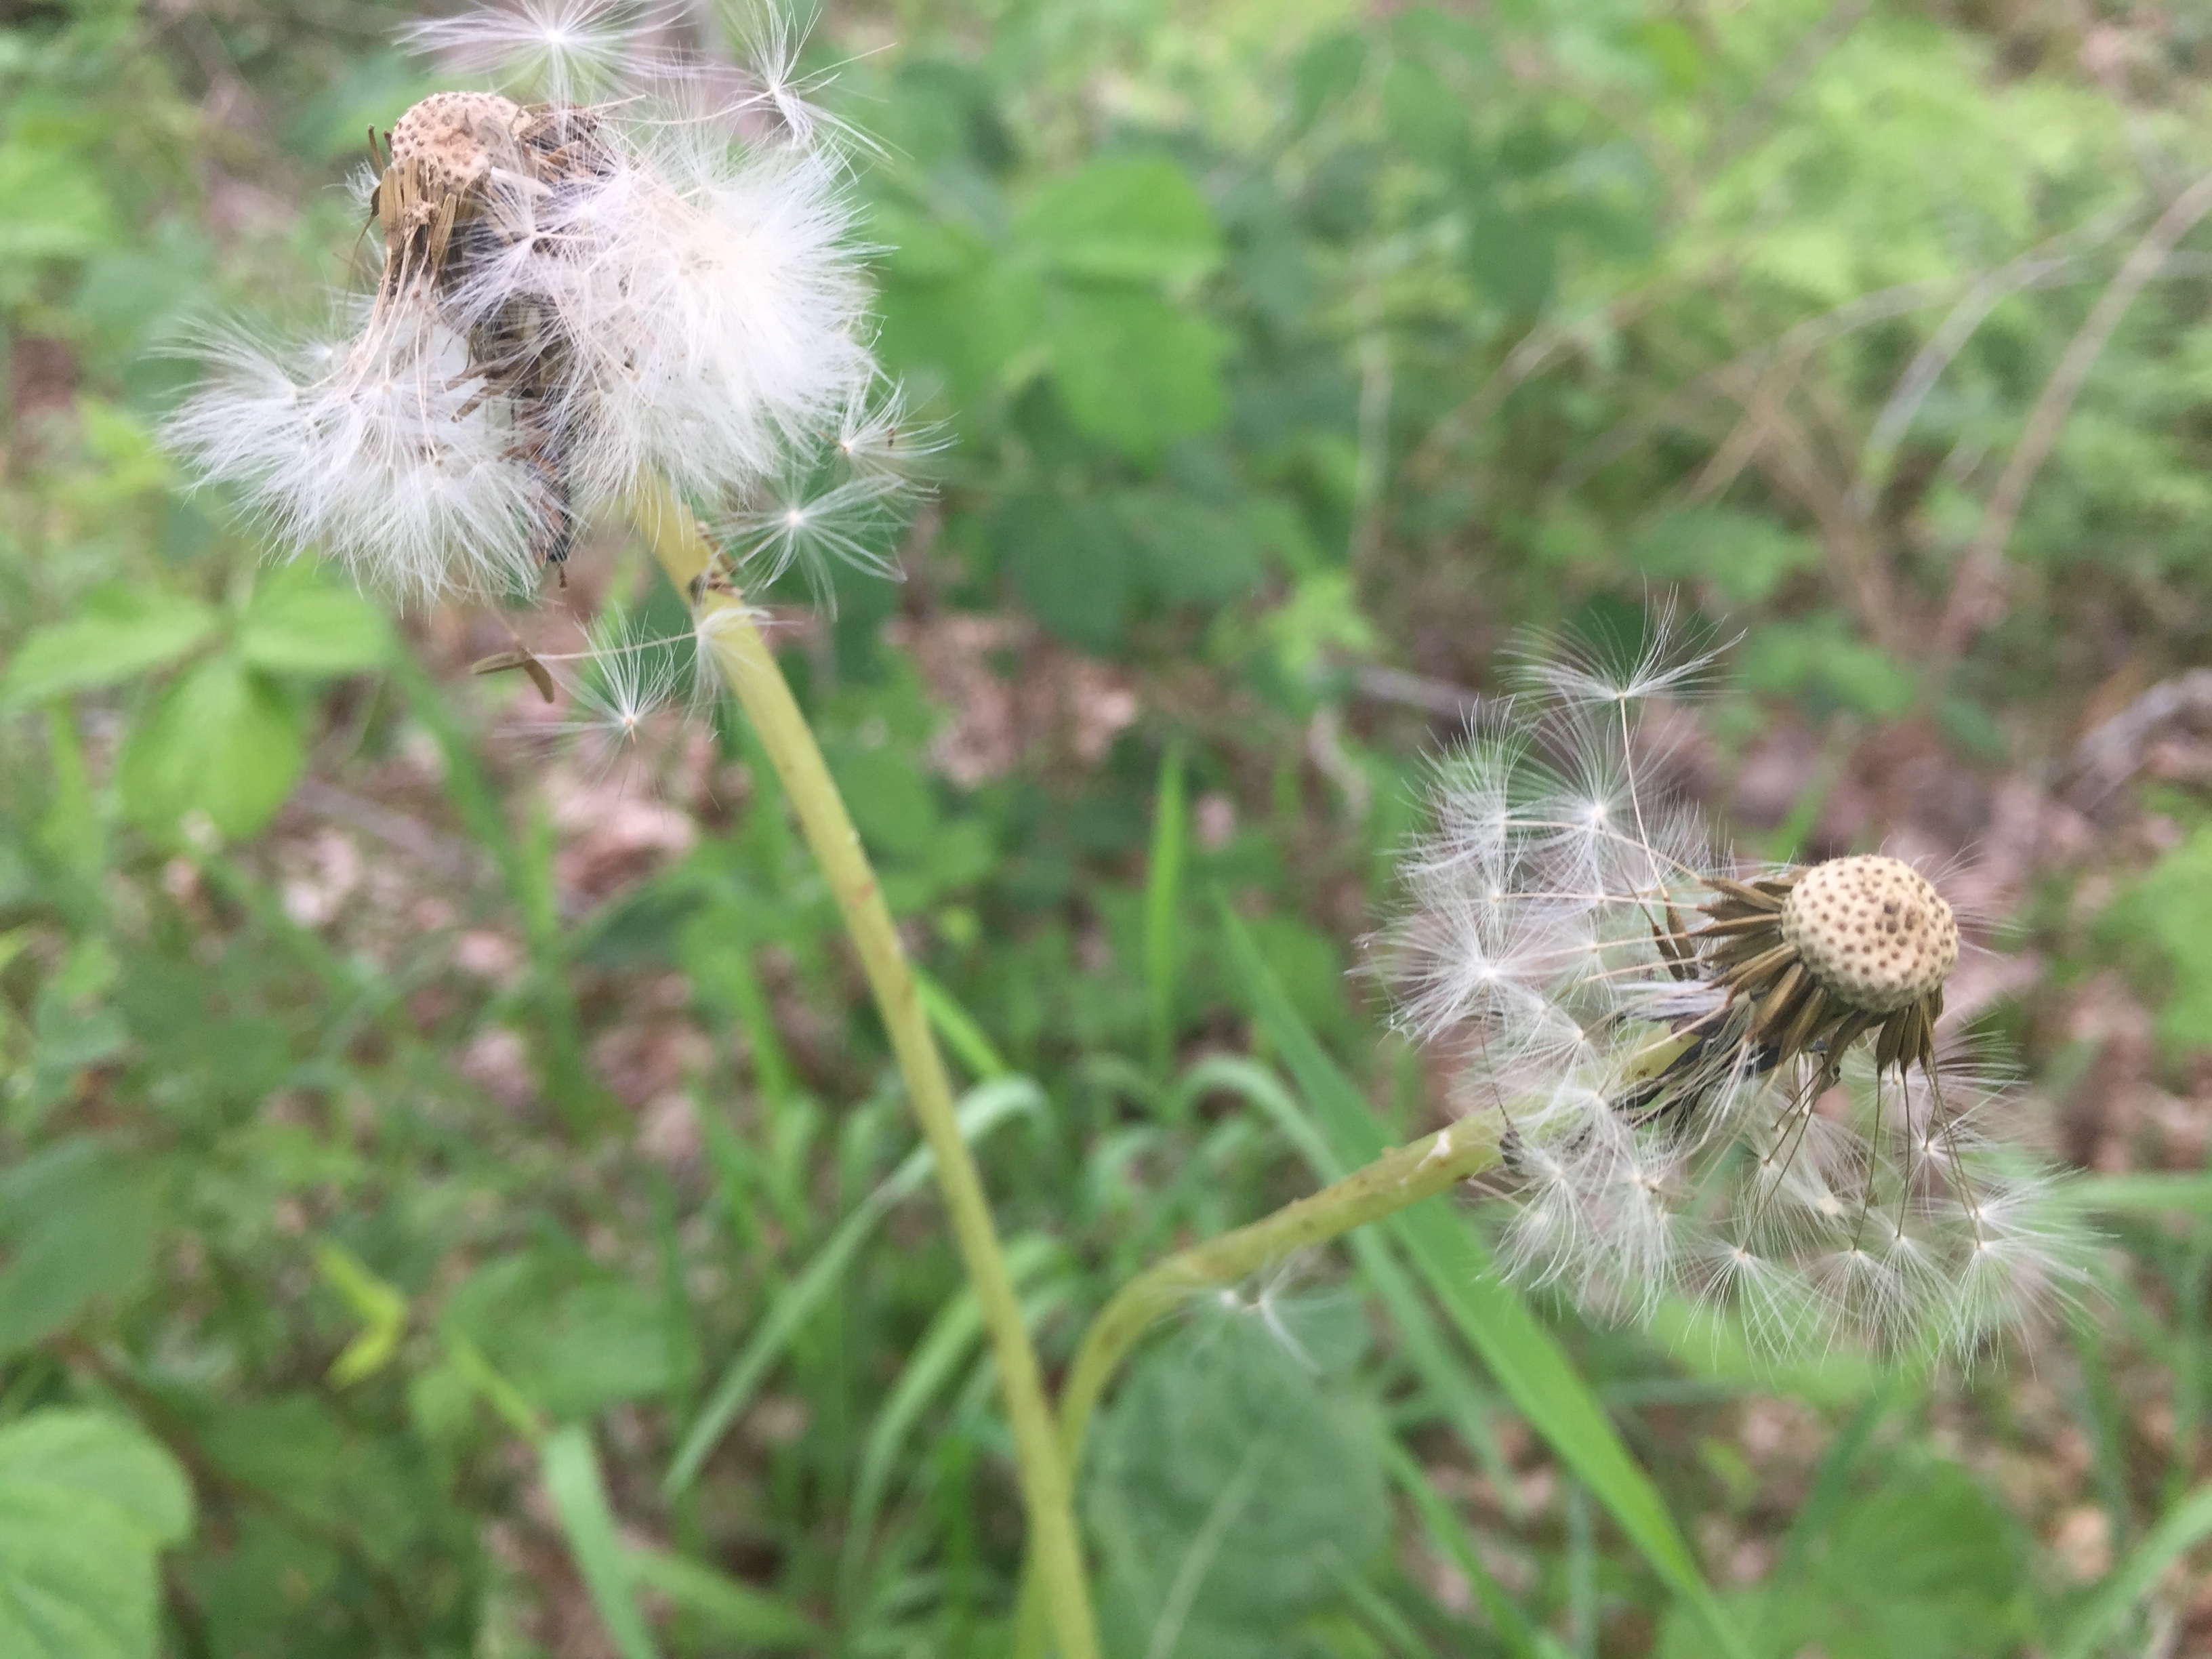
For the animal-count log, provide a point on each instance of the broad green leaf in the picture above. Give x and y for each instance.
(1526, 1359)
(85, 1501)
(224, 741)
(118, 632)
(570, 1465)
(1227, 1487)
(298, 623)
(1071, 564)
(1929, 1567)
(982, 1109)
(1129, 220)
(572, 1336)
(78, 1222)
(53, 206)
(1134, 371)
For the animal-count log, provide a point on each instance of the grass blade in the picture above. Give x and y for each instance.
(723, 1605)
(1163, 900)
(984, 1109)
(2142, 1194)
(936, 1359)
(2180, 1530)
(570, 1468)
(1522, 1356)
(1523, 1639)
(959, 1029)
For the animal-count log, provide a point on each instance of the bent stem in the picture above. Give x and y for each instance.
(1404, 1175)
(750, 671)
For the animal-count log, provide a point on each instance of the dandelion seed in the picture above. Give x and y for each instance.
(1719, 1083)
(624, 678)
(565, 52)
(852, 523)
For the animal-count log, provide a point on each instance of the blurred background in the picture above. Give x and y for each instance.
(391, 1070)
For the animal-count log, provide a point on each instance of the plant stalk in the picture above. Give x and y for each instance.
(725, 628)
(1402, 1177)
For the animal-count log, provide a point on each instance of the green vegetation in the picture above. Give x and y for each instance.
(456, 1197)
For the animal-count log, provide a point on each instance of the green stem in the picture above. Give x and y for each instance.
(750, 667)
(1403, 1176)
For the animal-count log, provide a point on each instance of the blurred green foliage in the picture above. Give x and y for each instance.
(1279, 345)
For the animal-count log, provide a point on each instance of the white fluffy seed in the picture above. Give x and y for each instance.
(1871, 930)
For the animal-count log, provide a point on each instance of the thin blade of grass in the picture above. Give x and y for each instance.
(959, 1028)
(936, 1360)
(1523, 1639)
(730, 1609)
(985, 1107)
(1525, 1358)
(570, 1468)
(1163, 900)
(2180, 1530)
(2142, 1194)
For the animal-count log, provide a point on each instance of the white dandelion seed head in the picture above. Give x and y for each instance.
(715, 311)
(1663, 1145)
(367, 450)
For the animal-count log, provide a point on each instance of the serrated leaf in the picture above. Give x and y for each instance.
(573, 1337)
(299, 624)
(120, 632)
(78, 1223)
(1132, 370)
(1130, 219)
(1229, 1490)
(86, 1500)
(224, 741)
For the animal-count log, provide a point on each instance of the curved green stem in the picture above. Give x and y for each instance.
(725, 628)
(1403, 1176)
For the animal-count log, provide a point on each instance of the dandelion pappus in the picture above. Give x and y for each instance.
(465, 177)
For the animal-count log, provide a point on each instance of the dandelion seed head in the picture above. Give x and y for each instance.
(1723, 1083)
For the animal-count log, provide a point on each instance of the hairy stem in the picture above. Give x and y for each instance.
(750, 667)
(1402, 1177)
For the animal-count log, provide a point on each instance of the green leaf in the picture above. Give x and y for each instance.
(224, 741)
(298, 623)
(570, 1468)
(120, 632)
(78, 1222)
(53, 206)
(1929, 1567)
(1526, 1359)
(85, 1501)
(1072, 566)
(1134, 371)
(1131, 220)
(1163, 904)
(739, 1611)
(573, 1337)
(1227, 1488)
